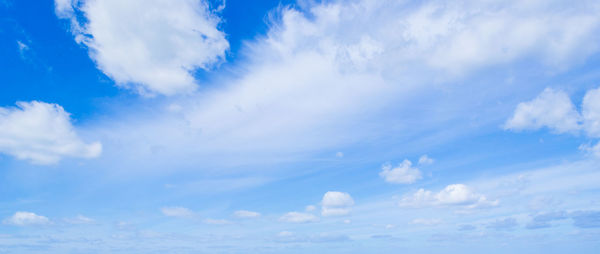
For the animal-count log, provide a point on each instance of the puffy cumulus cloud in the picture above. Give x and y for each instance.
(152, 46)
(246, 214)
(176, 211)
(403, 173)
(41, 133)
(590, 110)
(26, 219)
(552, 109)
(297, 217)
(453, 195)
(335, 203)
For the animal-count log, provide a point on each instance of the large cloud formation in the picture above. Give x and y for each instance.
(152, 46)
(41, 133)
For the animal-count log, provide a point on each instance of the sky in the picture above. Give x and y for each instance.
(333, 126)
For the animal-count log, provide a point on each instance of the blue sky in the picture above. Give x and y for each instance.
(299, 126)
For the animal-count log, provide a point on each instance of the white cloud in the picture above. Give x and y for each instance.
(79, 219)
(25, 219)
(453, 195)
(426, 222)
(322, 77)
(425, 160)
(296, 217)
(552, 109)
(246, 214)
(403, 173)
(148, 45)
(176, 211)
(336, 203)
(590, 110)
(310, 208)
(41, 133)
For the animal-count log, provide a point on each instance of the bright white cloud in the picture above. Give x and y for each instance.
(403, 173)
(176, 211)
(26, 219)
(41, 133)
(297, 217)
(453, 195)
(590, 110)
(246, 214)
(335, 203)
(552, 109)
(152, 46)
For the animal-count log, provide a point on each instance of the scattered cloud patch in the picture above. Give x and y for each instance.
(152, 53)
(26, 219)
(426, 222)
(453, 195)
(297, 217)
(176, 211)
(246, 214)
(586, 219)
(310, 208)
(503, 224)
(544, 220)
(291, 237)
(79, 220)
(339, 155)
(551, 109)
(335, 203)
(41, 133)
(425, 160)
(404, 173)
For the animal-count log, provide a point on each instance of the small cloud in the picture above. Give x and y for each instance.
(426, 222)
(551, 109)
(503, 224)
(336, 203)
(404, 173)
(453, 195)
(297, 217)
(347, 221)
(339, 155)
(176, 211)
(425, 160)
(390, 226)
(79, 220)
(246, 214)
(26, 219)
(310, 208)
